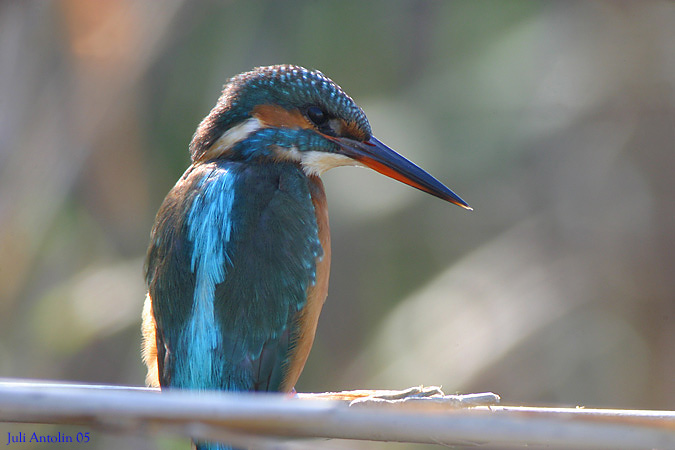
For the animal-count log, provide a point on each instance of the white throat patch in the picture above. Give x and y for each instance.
(316, 163)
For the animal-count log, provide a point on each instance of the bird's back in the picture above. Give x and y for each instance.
(233, 254)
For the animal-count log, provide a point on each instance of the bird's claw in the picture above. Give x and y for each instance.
(426, 394)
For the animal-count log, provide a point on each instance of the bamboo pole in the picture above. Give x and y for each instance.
(259, 419)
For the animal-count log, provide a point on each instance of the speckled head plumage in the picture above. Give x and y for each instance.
(289, 113)
(291, 88)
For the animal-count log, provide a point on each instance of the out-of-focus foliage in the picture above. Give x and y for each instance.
(555, 120)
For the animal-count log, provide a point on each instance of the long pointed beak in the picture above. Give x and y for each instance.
(379, 157)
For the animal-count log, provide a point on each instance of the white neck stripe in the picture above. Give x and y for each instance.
(233, 136)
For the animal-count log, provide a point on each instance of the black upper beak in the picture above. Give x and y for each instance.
(379, 157)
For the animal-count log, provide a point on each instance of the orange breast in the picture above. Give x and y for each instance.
(308, 318)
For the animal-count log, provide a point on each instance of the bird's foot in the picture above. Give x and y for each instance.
(426, 395)
(416, 394)
(400, 395)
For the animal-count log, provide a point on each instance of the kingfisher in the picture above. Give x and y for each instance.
(238, 263)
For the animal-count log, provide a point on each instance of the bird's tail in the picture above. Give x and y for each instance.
(212, 446)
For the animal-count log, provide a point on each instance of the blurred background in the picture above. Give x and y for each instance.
(554, 120)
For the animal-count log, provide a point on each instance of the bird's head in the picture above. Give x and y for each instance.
(288, 113)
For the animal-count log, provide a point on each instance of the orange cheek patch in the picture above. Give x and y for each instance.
(278, 117)
(351, 129)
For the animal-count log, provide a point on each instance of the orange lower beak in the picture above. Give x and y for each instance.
(379, 157)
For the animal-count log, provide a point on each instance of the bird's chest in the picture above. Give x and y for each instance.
(255, 243)
(235, 264)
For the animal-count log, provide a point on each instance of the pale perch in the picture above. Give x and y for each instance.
(260, 419)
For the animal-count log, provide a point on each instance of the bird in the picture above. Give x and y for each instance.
(239, 257)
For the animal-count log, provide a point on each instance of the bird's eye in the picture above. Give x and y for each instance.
(317, 115)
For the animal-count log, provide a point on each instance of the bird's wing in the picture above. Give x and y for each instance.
(233, 254)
